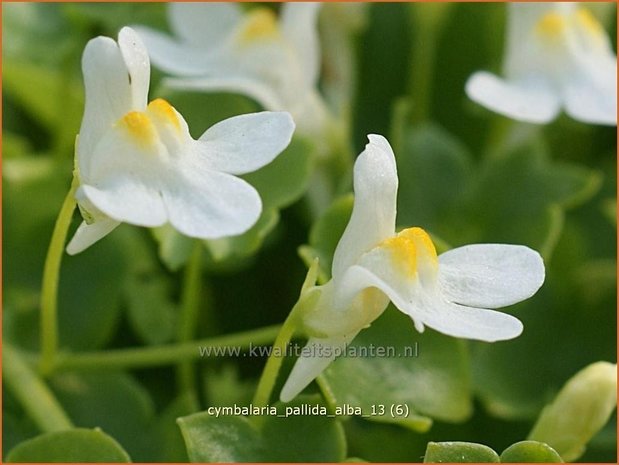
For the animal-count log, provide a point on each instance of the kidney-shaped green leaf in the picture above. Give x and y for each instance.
(75, 445)
(114, 402)
(221, 439)
(521, 197)
(288, 436)
(530, 452)
(303, 437)
(459, 452)
(518, 197)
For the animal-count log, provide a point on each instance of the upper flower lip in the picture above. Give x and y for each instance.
(374, 211)
(139, 164)
(116, 81)
(557, 56)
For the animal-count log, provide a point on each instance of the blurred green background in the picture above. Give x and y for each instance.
(466, 175)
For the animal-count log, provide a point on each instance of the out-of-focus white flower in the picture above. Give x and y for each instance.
(557, 55)
(137, 163)
(451, 293)
(218, 47)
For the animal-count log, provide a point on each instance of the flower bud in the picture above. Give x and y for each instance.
(579, 411)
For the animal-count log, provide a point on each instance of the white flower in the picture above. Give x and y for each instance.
(557, 55)
(138, 164)
(218, 47)
(372, 264)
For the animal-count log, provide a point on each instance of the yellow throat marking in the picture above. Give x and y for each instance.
(409, 246)
(141, 125)
(164, 112)
(589, 22)
(551, 25)
(261, 23)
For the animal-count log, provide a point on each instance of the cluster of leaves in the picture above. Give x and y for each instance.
(466, 176)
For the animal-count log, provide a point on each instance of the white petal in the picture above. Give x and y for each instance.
(128, 199)
(374, 211)
(298, 22)
(88, 234)
(138, 65)
(428, 307)
(464, 322)
(531, 100)
(172, 56)
(207, 204)
(590, 92)
(591, 87)
(108, 95)
(127, 170)
(146, 171)
(490, 275)
(385, 265)
(264, 94)
(203, 23)
(244, 143)
(396, 269)
(311, 363)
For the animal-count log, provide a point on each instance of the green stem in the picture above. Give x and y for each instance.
(169, 354)
(49, 291)
(421, 77)
(274, 362)
(307, 300)
(32, 393)
(428, 20)
(189, 314)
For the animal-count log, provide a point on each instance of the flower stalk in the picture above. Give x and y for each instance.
(189, 314)
(305, 303)
(32, 393)
(51, 272)
(167, 354)
(274, 362)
